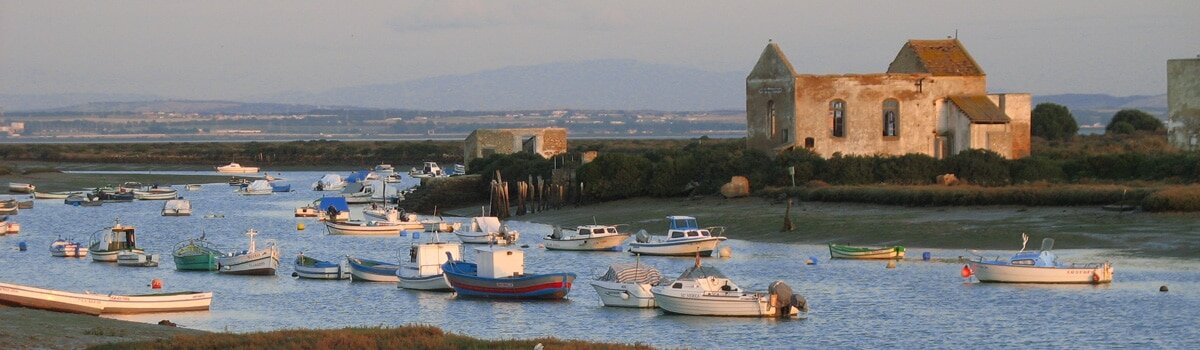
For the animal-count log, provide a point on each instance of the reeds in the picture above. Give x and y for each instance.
(1175, 198)
(934, 195)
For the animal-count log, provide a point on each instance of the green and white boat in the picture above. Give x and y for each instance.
(850, 252)
(196, 255)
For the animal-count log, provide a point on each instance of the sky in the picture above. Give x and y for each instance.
(241, 49)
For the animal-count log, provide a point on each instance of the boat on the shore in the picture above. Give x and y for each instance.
(1039, 267)
(684, 238)
(177, 207)
(251, 261)
(21, 187)
(308, 267)
(258, 187)
(52, 195)
(330, 182)
(628, 285)
(102, 303)
(235, 168)
(837, 251)
(196, 255)
(372, 270)
(108, 244)
(156, 193)
(66, 248)
(9, 207)
(136, 258)
(587, 237)
(424, 268)
(499, 272)
(430, 169)
(488, 230)
(705, 291)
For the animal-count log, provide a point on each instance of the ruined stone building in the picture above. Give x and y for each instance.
(546, 142)
(933, 100)
(1183, 103)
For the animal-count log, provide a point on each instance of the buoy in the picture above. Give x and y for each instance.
(156, 284)
(726, 252)
(300, 226)
(891, 264)
(966, 271)
(1163, 288)
(1095, 278)
(22, 246)
(926, 256)
(812, 260)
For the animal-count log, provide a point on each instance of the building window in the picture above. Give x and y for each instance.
(838, 109)
(772, 124)
(891, 117)
(809, 143)
(784, 135)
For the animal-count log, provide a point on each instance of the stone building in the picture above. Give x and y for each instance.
(546, 142)
(1183, 102)
(933, 100)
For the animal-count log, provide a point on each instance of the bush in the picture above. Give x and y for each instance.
(980, 167)
(1035, 169)
(1053, 122)
(933, 195)
(1125, 119)
(1186, 198)
(614, 176)
(850, 170)
(807, 164)
(908, 169)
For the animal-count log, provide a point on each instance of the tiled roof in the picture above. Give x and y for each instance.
(945, 57)
(980, 109)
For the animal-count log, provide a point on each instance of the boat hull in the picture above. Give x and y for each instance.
(377, 272)
(592, 243)
(260, 263)
(703, 246)
(51, 195)
(461, 276)
(994, 273)
(482, 238)
(726, 306)
(199, 262)
(237, 170)
(410, 280)
(635, 295)
(335, 228)
(322, 273)
(176, 212)
(109, 255)
(149, 196)
(97, 304)
(847, 252)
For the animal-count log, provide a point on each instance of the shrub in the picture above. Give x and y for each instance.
(981, 167)
(1124, 119)
(614, 176)
(1184, 198)
(850, 170)
(908, 169)
(807, 164)
(1053, 122)
(1034, 169)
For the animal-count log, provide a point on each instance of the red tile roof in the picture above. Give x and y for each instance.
(980, 109)
(945, 57)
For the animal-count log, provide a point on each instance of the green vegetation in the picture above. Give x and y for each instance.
(1128, 121)
(296, 153)
(1053, 122)
(1041, 194)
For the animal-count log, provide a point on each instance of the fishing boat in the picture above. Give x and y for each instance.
(52, 195)
(196, 255)
(308, 211)
(628, 285)
(235, 168)
(385, 169)
(9, 207)
(192, 187)
(588, 237)
(357, 193)
(372, 270)
(430, 169)
(330, 182)
(308, 267)
(82, 199)
(258, 187)
(393, 216)
(177, 207)
(393, 178)
(366, 228)
(156, 193)
(108, 244)
(499, 272)
(114, 195)
(1038, 267)
(277, 186)
(20, 187)
(9, 227)
(837, 251)
(333, 209)
(65, 248)
(488, 230)
(251, 261)
(705, 291)
(684, 238)
(134, 258)
(102, 303)
(424, 268)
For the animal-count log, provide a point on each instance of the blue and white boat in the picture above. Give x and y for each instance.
(372, 270)
(684, 238)
(1038, 267)
(281, 187)
(500, 273)
(309, 267)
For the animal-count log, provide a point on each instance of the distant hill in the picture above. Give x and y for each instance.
(183, 106)
(1092, 109)
(30, 102)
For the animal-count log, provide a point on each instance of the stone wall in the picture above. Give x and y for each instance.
(1183, 102)
(546, 142)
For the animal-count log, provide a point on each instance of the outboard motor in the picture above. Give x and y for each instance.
(642, 236)
(785, 299)
(557, 234)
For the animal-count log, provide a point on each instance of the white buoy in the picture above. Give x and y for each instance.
(726, 252)
(891, 264)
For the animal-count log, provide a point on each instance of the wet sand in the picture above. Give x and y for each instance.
(23, 328)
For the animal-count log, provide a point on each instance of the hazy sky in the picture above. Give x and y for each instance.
(237, 49)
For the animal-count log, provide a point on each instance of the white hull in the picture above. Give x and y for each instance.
(624, 294)
(236, 170)
(409, 279)
(45, 195)
(715, 305)
(596, 243)
(359, 275)
(352, 229)
(323, 273)
(97, 304)
(68, 250)
(1102, 273)
(262, 262)
(482, 238)
(705, 246)
(21, 187)
(154, 196)
(138, 259)
(255, 193)
(177, 212)
(107, 255)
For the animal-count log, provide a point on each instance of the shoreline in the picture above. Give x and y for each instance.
(41, 329)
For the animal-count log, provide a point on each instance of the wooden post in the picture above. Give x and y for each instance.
(787, 218)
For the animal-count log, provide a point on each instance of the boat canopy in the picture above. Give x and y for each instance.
(353, 188)
(337, 203)
(699, 272)
(177, 204)
(683, 223)
(489, 224)
(331, 179)
(259, 186)
(632, 273)
(358, 176)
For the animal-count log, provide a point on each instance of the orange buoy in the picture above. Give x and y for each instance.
(156, 284)
(966, 271)
(1095, 278)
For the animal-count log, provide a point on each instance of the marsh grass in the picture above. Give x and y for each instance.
(1042, 194)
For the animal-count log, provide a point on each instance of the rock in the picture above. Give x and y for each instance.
(1163, 288)
(947, 180)
(738, 186)
(587, 157)
(167, 323)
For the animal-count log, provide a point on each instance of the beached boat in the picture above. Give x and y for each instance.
(134, 258)
(20, 187)
(177, 207)
(488, 230)
(330, 182)
(705, 291)
(372, 270)
(333, 209)
(83, 199)
(9, 207)
(280, 187)
(308, 267)
(628, 285)
(364, 228)
(65, 248)
(196, 255)
(588, 237)
(849, 252)
(102, 303)
(424, 268)
(108, 244)
(258, 187)
(251, 261)
(499, 272)
(192, 187)
(9, 227)
(52, 195)
(156, 193)
(430, 169)
(684, 238)
(235, 168)
(1039, 267)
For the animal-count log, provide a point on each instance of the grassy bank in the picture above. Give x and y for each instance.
(1044, 194)
(22, 328)
(52, 181)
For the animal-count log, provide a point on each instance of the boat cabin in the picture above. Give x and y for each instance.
(427, 258)
(705, 278)
(684, 227)
(586, 231)
(431, 168)
(1043, 258)
(121, 237)
(497, 262)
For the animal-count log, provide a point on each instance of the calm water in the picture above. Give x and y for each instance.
(854, 304)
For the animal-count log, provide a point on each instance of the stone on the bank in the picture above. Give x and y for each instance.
(738, 186)
(947, 180)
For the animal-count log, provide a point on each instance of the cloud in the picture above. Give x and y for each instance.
(476, 14)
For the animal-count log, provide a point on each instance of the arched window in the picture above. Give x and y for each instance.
(891, 117)
(837, 109)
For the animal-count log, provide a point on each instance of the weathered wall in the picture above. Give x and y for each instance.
(1018, 107)
(546, 142)
(771, 83)
(1183, 102)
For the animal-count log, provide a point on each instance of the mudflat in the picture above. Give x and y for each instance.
(24, 328)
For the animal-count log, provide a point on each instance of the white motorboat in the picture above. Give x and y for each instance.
(330, 182)
(488, 230)
(235, 168)
(258, 187)
(65, 248)
(372, 270)
(1039, 267)
(157, 193)
(108, 244)
(358, 193)
(430, 169)
(588, 237)
(628, 285)
(177, 207)
(137, 259)
(20, 187)
(308, 267)
(102, 303)
(251, 261)
(392, 215)
(424, 268)
(684, 238)
(193, 187)
(356, 227)
(52, 195)
(704, 291)
(385, 169)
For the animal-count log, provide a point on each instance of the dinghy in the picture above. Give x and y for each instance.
(1038, 267)
(500, 273)
(20, 187)
(52, 195)
(102, 303)
(848, 252)
(372, 270)
(157, 193)
(628, 285)
(137, 259)
(307, 267)
(251, 261)
(177, 207)
(684, 238)
(108, 244)
(65, 248)
(196, 255)
(488, 230)
(424, 268)
(193, 187)
(705, 291)
(588, 237)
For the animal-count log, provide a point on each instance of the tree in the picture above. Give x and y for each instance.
(1140, 121)
(1053, 122)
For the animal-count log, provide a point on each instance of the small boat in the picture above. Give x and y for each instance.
(156, 193)
(393, 178)
(628, 285)
(1039, 267)
(385, 169)
(52, 195)
(82, 199)
(837, 251)
(235, 168)
(307, 267)
(251, 261)
(372, 270)
(499, 272)
(102, 303)
(330, 182)
(366, 228)
(192, 187)
(430, 169)
(280, 187)
(588, 237)
(19, 187)
(705, 291)
(424, 268)
(27, 204)
(110, 195)
(308, 211)
(258, 187)
(130, 186)
(9, 207)
(135, 258)
(108, 244)
(65, 248)
(684, 238)
(358, 193)
(196, 255)
(488, 230)
(8, 227)
(236, 181)
(393, 216)
(177, 207)
(333, 209)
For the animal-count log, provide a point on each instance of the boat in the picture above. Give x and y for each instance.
(108, 244)
(130, 186)
(499, 272)
(52, 195)
(385, 169)
(308, 267)
(357, 193)
(258, 187)
(588, 237)
(236, 181)
(684, 238)
(308, 211)
(393, 216)
(488, 230)
(137, 258)
(20, 187)
(196, 255)
(8, 227)
(430, 169)
(705, 291)
(192, 187)
(156, 193)
(83, 199)
(1038, 267)
(372, 270)
(393, 178)
(177, 207)
(628, 285)
(114, 195)
(65, 248)
(251, 261)
(424, 268)
(102, 303)
(9, 207)
(330, 182)
(235, 168)
(280, 187)
(357, 227)
(837, 251)
(333, 209)
(26, 204)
